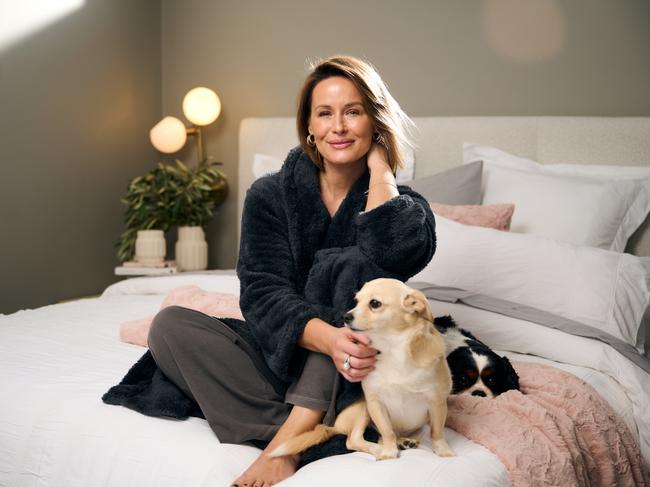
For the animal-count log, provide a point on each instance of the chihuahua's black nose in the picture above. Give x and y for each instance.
(479, 393)
(347, 317)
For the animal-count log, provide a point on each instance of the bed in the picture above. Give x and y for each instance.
(58, 360)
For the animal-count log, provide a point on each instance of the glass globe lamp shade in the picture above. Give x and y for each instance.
(201, 106)
(168, 135)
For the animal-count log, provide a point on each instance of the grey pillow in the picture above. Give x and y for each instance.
(457, 186)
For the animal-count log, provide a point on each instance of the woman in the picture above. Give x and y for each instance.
(312, 234)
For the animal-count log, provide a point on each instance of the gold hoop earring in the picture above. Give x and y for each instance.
(311, 140)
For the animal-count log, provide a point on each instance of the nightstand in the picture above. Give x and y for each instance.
(135, 269)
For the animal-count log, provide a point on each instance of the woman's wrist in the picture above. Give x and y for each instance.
(382, 182)
(381, 188)
(317, 336)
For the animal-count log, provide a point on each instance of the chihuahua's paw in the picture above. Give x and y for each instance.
(385, 453)
(442, 449)
(406, 443)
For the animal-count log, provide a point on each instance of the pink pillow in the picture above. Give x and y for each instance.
(496, 216)
(193, 297)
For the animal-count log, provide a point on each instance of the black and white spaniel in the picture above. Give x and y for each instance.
(475, 369)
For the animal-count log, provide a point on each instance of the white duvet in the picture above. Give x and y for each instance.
(57, 361)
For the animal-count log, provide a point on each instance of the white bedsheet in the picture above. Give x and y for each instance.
(57, 361)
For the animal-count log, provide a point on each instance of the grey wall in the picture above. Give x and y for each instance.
(78, 98)
(444, 57)
(76, 101)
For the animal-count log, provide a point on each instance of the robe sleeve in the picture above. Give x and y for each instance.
(338, 273)
(395, 240)
(273, 307)
(400, 234)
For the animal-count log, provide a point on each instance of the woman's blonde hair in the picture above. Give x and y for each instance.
(393, 125)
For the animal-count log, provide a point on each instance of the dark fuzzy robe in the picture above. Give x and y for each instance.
(297, 263)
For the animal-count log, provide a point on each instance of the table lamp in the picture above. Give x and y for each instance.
(201, 107)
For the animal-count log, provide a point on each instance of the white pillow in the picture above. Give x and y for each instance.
(222, 280)
(265, 164)
(606, 290)
(584, 205)
(475, 151)
(600, 171)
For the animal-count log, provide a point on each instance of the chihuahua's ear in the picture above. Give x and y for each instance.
(416, 302)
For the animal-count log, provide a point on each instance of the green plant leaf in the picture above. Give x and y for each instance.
(182, 166)
(170, 196)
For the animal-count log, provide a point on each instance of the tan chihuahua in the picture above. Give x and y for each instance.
(410, 383)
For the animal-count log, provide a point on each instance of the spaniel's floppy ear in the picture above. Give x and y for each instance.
(416, 302)
(426, 348)
(512, 379)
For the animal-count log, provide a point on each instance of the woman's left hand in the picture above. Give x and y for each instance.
(377, 158)
(353, 349)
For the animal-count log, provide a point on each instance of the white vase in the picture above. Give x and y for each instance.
(191, 249)
(150, 246)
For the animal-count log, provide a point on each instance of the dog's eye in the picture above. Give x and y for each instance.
(374, 304)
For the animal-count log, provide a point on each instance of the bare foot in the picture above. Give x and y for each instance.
(266, 471)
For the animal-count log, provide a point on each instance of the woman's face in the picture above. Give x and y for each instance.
(342, 129)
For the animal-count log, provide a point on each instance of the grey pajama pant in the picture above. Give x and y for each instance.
(240, 398)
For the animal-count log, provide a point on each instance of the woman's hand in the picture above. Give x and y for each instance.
(346, 343)
(378, 158)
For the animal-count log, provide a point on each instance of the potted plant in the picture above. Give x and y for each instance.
(170, 196)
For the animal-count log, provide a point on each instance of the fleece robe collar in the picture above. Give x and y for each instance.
(310, 226)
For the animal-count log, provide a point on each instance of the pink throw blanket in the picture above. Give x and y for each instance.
(193, 297)
(558, 432)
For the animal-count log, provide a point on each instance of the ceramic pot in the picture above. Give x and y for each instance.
(150, 246)
(191, 249)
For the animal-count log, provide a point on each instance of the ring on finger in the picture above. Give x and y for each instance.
(346, 363)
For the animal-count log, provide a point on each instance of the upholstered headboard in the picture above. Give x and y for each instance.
(623, 141)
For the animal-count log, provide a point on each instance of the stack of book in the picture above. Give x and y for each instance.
(134, 268)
